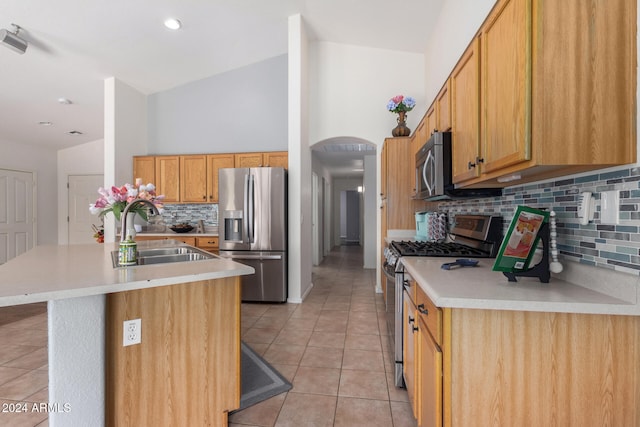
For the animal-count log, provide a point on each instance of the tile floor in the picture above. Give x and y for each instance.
(23, 365)
(334, 348)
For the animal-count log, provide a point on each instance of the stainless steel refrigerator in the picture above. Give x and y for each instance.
(252, 227)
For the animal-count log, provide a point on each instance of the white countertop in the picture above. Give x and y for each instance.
(52, 272)
(482, 288)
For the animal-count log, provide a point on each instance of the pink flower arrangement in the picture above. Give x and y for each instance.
(116, 199)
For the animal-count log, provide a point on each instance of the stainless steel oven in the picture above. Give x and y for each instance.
(470, 236)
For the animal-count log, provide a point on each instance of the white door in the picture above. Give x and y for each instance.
(17, 218)
(83, 190)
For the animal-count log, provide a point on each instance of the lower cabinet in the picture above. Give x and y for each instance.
(189, 240)
(209, 244)
(476, 367)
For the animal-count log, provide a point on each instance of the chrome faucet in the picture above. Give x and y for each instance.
(135, 202)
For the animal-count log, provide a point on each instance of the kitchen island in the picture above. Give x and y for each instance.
(492, 352)
(190, 315)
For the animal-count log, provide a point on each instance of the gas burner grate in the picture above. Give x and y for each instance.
(436, 249)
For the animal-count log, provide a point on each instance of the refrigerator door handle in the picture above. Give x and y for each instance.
(245, 227)
(251, 218)
(268, 257)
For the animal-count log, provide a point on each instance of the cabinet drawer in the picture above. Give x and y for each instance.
(207, 242)
(187, 240)
(411, 287)
(431, 315)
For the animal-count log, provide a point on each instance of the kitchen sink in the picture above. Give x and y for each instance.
(165, 255)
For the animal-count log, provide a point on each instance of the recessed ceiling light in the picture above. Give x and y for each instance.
(172, 24)
(45, 123)
(74, 132)
(64, 101)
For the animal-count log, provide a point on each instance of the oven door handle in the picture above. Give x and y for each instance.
(387, 273)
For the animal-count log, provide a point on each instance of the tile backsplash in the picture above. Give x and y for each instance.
(602, 245)
(191, 213)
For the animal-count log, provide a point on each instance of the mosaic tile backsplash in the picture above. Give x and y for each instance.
(191, 213)
(602, 245)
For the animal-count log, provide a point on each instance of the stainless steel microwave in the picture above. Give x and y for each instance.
(434, 177)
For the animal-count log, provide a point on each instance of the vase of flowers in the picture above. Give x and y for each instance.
(400, 104)
(116, 199)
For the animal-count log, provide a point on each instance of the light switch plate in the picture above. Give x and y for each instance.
(610, 207)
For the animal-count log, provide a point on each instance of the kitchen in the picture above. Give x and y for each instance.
(444, 52)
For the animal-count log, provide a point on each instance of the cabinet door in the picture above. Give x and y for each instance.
(465, 114)
(443, 107)
(276, 159)
(430, 120)
(144, 167)
(168, 177)
(506, 85)
(215, 162)
(409, 332)
(193, 179)
(430, 374)
(248, 160)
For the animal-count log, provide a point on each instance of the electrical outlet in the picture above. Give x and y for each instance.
(131, 332)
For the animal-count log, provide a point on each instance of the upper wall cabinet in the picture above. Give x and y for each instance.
(558, 92)
(168, 177)
(215, 162)
(267, 159)
(465, 115)
(193, 178)
(443, 107)
(144, 167)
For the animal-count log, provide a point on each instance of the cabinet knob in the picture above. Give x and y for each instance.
(204, 197)
(423, 310)
(471, 165)
(411, 320)
(479, 159)
(415, 329)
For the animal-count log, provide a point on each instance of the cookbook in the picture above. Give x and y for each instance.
(520, 241)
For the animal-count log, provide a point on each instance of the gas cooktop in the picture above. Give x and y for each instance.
(451, 249)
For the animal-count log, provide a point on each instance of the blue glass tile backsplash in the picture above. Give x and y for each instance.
(602, 245)
(191, 213)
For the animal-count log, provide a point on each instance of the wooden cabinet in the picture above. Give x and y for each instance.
(256, 160)
(144, 167)
(210, 244)
(215, 162)
(409, 352)
(189, 240)
(193, 179)
(465, 115)
(431, 121)
(276, 159)
(504, 367)
(186, 370)
(168, 177)
(558, 80)
(443, 108)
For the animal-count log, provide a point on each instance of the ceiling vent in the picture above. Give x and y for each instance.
(12, 40)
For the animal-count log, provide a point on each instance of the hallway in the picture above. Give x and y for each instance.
(334, 348)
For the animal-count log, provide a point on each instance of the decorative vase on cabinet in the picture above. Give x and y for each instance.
(401, 129)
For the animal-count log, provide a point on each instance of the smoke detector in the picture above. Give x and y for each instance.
(12, 40)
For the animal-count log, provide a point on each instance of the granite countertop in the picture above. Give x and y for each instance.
(51, 272)
(482, 288)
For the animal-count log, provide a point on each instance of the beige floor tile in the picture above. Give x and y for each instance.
(24, 418)
(284, 354)
(9, 353)
(24, 385)
(322, 357)
(402, 414)
(32, 360)
(353, 412)
(363, 342)
(367, 385)
(291, 336)
(260, 336)
(263, 414)
(363, 360)
(327, 339)
(8, 374)
(316, 381)
(307, 410)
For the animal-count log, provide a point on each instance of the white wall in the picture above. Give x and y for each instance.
(85, 159)
(125, 136)
(300, 238)
(458, 22)
(351, 86)
(41, 161)
(238, 111)
(370, 234)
